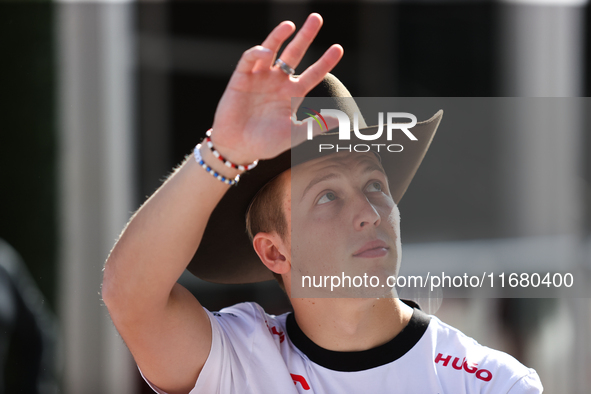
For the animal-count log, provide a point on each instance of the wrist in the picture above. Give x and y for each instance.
(237, 157)
(216, 164)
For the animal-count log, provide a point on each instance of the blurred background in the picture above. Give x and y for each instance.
(100, 100)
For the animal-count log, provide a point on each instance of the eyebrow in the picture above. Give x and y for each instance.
(322, 178)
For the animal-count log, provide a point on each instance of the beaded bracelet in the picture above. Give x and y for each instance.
(227, 162)
(207, 168)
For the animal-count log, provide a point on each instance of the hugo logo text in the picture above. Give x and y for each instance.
(482, 374)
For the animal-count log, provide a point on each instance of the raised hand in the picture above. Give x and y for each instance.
(253, 119)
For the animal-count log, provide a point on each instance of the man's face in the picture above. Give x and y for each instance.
(342, 220)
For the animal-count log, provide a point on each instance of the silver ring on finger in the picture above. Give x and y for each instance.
(284, 67)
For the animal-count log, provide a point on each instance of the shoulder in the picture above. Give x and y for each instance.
(246, 318)
(243, 341)
(249, 312)
(460, 357)
(452, 342)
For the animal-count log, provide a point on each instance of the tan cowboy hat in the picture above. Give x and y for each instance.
(226, 254)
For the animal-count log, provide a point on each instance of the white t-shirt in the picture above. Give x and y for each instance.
(253, 352)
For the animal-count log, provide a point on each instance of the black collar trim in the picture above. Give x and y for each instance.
(365, 359)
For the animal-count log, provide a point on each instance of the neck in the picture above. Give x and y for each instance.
(345, 324)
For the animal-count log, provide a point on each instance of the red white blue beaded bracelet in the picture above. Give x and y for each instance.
(207, 168)
(223, 159)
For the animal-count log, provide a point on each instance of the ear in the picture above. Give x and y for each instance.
(272, 251)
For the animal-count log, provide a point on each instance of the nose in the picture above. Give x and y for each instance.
(365, 213)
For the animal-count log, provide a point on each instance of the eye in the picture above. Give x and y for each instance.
(327, 197)
(374, 187)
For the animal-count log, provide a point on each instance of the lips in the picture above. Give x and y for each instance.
(375, 248)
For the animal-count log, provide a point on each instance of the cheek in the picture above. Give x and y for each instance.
(395, 217)
(313, 239)
(393, 214)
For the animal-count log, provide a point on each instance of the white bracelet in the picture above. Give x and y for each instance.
(207, 168)
(223, 159)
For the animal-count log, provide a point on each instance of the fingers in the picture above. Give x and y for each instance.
(249, 59)
(279, 34)
(257, 58)
(316, 72)
(296, 49)
(262, 56)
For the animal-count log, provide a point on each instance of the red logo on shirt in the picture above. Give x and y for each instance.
(482, 374)
(274, 331)
(281, 334)
(301, 380)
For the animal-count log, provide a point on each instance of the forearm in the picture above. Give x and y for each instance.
(163, 235)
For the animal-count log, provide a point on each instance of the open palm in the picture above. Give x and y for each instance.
(254, 116)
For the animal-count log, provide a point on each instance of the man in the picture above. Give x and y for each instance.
(335, 211)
